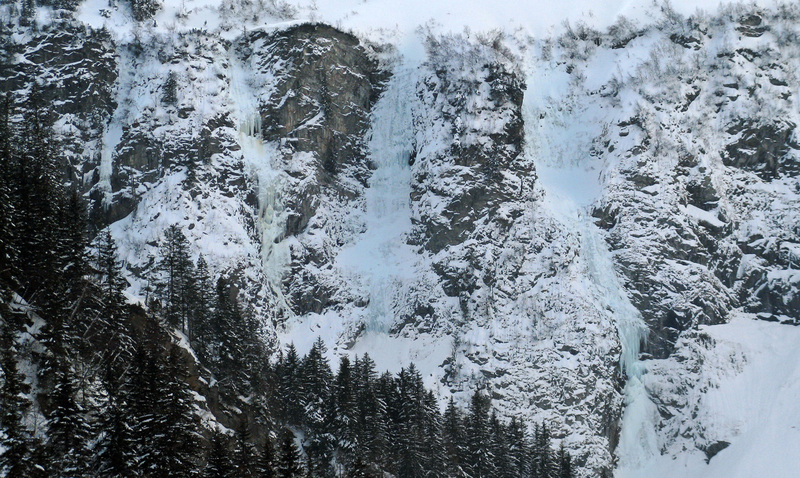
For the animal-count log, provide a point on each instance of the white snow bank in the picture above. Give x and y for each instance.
(748, 398)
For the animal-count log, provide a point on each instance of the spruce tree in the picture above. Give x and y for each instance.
(39, 198)
(564, 462)
(289, 460)
(15, 442)
(115, 449)
(345, 422)
(288, 397)
(265, 461)
(244, 455)
(201, 304)
(373, 421)
(517, 448)
(112, 284)
(316, 378)
(176, 440)
(176, 275)
(8, 244)
(453, 432)
(68, 432)
(480, 461)
(218, 463)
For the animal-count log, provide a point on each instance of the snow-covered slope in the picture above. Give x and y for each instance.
(547, 211)
(727, 404)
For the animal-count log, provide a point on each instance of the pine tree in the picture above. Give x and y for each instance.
(15, 459)
(218, 464)
(244, 455)
(453, 437)
(8, 245)
(480, 460)
(564, 462)
(265, 461)
(177, 273)
(289, 463)
(68, 432)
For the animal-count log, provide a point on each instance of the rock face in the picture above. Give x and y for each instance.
(460, 213)
(315, 89)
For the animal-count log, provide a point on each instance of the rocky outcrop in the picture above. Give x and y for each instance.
(474, 172)
(74, 68)
(314, 105)
(767, 148)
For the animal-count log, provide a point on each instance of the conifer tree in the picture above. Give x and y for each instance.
(71, 251)
(8, 246)
(517, 448)
(177, 272)
(112, 284)
(265, 460)
(14, 438)
(244, 455)
(453, 432)
(499, 448)
(289, 460)
(564, 462)
(372, 413)
(115, 450)
(143, 389)
(39, 197)
(68, 431)
(542, 463)
(316, 378)
(480, 460)
(218, 464)
(176, 439)
(345, 421)
(288, 396)
(201, 305)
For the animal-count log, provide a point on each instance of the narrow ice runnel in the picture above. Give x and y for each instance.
(380, 257)
(559, 136)
(258, 160)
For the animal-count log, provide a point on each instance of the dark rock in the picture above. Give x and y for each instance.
(714, 448)
(751, 26)
(768, 148)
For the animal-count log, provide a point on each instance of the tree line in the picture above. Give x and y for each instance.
(93, 386)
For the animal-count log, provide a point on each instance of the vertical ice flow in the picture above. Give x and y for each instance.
(258, 158)
(560, 143)
(380, 256)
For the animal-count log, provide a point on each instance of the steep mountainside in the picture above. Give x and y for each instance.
(555, 220)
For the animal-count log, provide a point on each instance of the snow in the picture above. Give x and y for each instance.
(380, 257)
(751, 403)
(557, 289)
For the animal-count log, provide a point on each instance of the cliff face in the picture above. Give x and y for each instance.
(509, 213)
